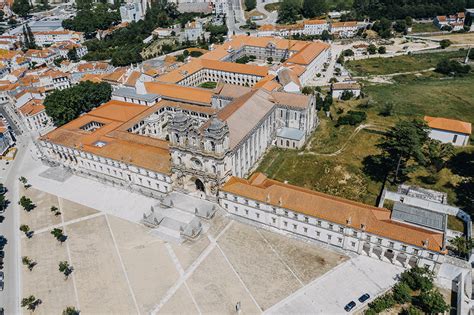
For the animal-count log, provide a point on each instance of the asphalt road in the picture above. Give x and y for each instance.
(11, 121)
(10, 296)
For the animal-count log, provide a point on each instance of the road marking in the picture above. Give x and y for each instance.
(279, 257)
(51, 227)
(69, 254)
(238, 277)
(122, 265)
(171, 291)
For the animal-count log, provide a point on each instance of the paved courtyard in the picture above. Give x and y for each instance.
(121, 268)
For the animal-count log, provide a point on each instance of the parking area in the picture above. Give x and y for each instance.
(120, 267)
(347, 282)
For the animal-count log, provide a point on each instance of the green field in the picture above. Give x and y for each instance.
(406, 63)
(432, 95)
(424, 28)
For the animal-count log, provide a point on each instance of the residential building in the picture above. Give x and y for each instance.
(52, 37)
(446, 130)
(338, 88)
(34, 115)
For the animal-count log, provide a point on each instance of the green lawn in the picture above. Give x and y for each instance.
(339, 175)
(208, 85)
(431, 95)
(406, 63)
(424, 28)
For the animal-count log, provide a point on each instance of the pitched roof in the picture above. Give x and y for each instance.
(449, 124)
(180, 92)
(334, 209)
(32, 107)
(307, 55)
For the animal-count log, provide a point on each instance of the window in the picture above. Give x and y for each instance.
(258, 215)
(331, 226)
(226, 206)
(246, 212)
(379, 240)
(455, 138)
(274, 220)
(329, 237)
(368, 238)
(318, 233)
(404, 247)
(415, 251)
(236, 209)
(353, 244)
(430, 256)
(305, 229)
(319, 223)
(306, 219)
(274, 210)
(354, 233)
(285, 223)
(391, 244)
(341, 230)
(295, 216)
(286, 213)
(257, 205)
(339, 240)
(235, 198)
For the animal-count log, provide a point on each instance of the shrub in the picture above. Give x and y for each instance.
(382, 303)
(346, 95)
(386, 110)
(351, 118)
(372, 49)
(348, 52)
(243, 60)
(418, 278)
(382, 50)
(452, 67)
(432, 302)
(401, 293)
(195, 53)
(445, 43)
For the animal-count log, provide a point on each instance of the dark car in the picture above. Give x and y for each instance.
(349, 306)
(364, 297)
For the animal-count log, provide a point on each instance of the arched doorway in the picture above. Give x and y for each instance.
(199, 185)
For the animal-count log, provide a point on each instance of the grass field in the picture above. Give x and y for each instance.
(398, 64)
(339, 175)
(432, 95)
(424, 28)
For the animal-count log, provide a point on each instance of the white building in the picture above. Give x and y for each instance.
(340, 87)
(337, 222)
(34, 115)
(447, 130)
(51, 37)
(132, 11)
(193, 30)
(315, 27)
(345, 29)
(6, 140)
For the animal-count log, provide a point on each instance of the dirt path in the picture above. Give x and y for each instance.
(385, 78)
(341, 149)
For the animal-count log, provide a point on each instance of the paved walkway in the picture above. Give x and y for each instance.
(329, 293)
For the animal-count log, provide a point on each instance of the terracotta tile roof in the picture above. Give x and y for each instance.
(32, 107)
(132, 78)
(337, 210)
(315, 22)
(266, 27)
(291, 99)
(344, 24)
(441, 18)
(307, 55)
(96, 78)
(449, 124)
(146, 152)
(89, 66)
(116, 76)
(180, 93)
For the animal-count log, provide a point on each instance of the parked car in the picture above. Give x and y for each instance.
(1, 275)
(1, 285)
(2, 254)
(349, 306)
(364, 297)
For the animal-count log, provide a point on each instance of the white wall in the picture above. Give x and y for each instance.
(449, 137)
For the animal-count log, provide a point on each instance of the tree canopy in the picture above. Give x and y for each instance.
(21, 7)
(289, 11)
(65, 105)
(89, 19)
(250, 4)
(314, 8)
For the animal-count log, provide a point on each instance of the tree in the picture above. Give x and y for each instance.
(382, 303)
(408, 20)
(402, 143)
(461, 245)
(250, 4)
(65, 105)
(70, 310)
(21, 8)
(26, 203)
(445, 43)
(432, 302)
(269, 60)
(314, 8)
(452, 68)
(402, 293)
(346, 95)
(55, 210)
(307, 90)
(72, 54)
(58, 234)
(31, 303)
(383, 27)
(351, 118)
(289, 11)
(372, 49)
(418, 278)
(65, 268)
(437, 154)
(24, 181)
(386, 109)
(400, 26)
(26, 229)
(327, 103)
(28, 262)
(325, 36)
(382, 50)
